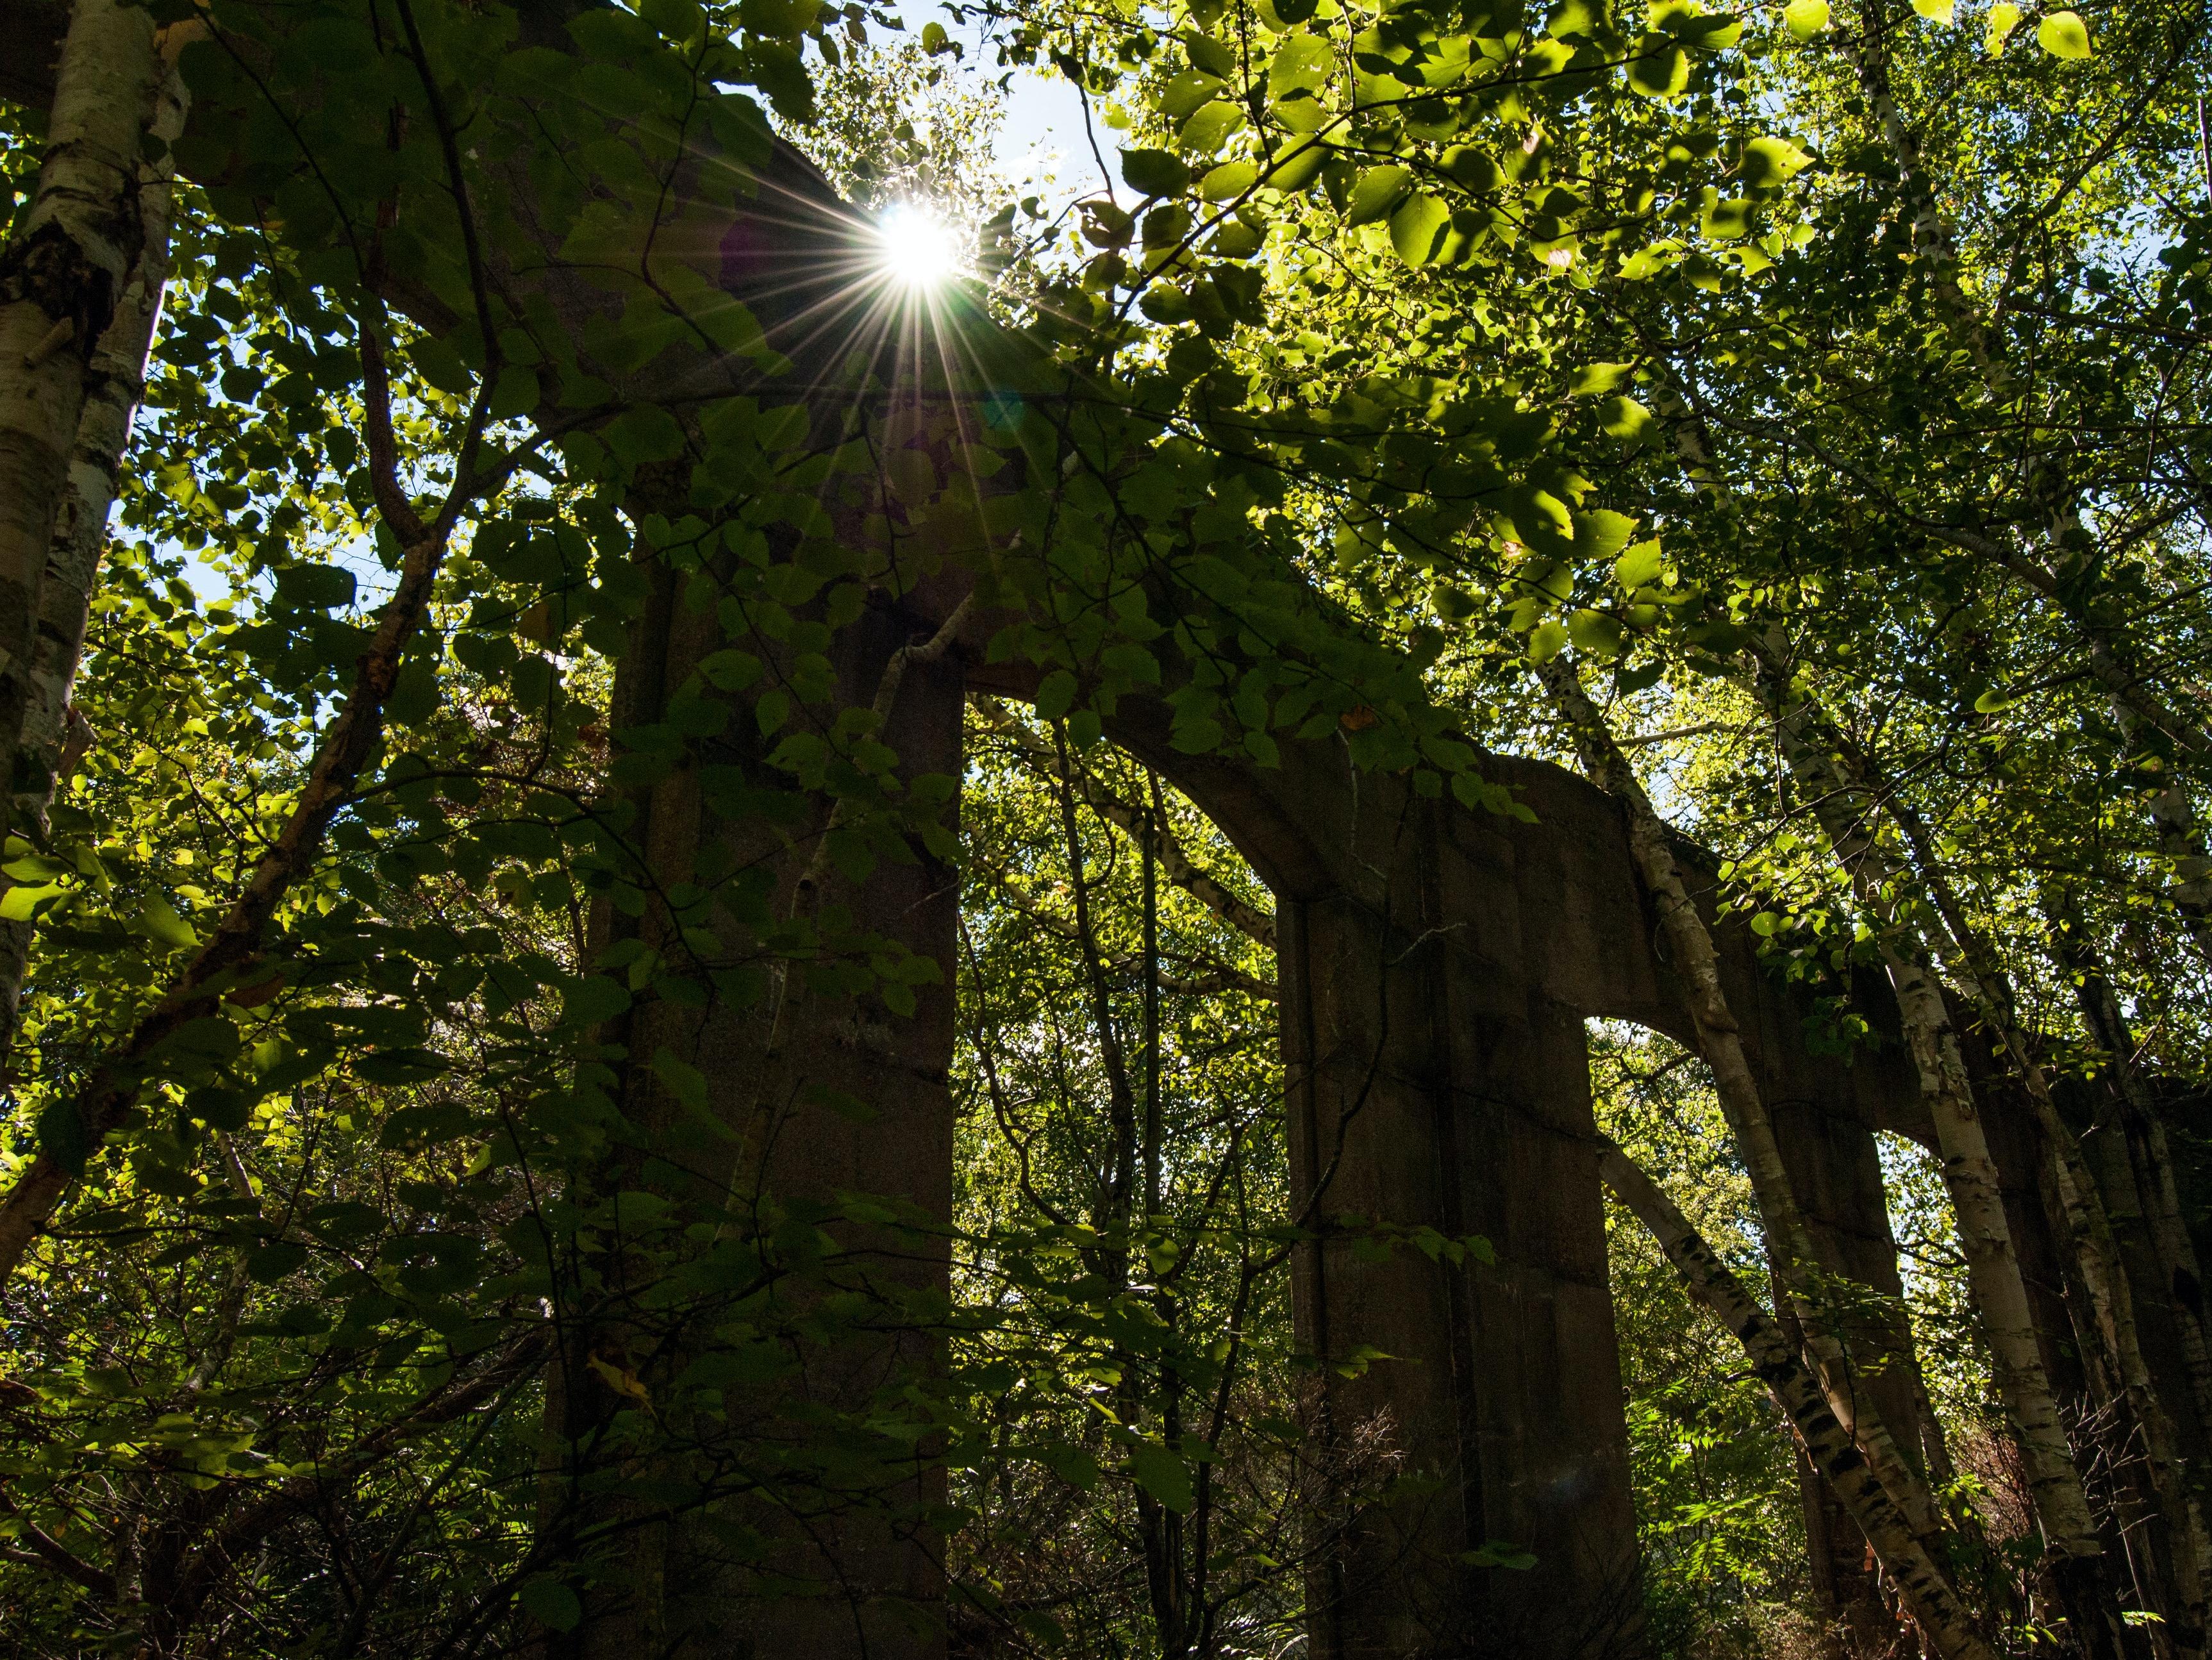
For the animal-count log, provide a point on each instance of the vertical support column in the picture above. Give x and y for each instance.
(1824, 1115)
(1432, 1088)
(1389, 1330)
(1835, 1169)
(812, 1091)
(1553, 1431)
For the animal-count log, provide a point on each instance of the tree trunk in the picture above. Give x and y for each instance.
(1843, 807)
(115, 380)
(1720, 1040)
(1896, 1541)
(62, 279)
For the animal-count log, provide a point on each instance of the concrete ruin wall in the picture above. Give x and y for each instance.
(1437, 967)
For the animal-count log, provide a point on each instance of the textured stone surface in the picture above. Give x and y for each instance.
(1437, 967)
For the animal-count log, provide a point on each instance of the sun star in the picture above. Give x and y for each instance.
(916, 248)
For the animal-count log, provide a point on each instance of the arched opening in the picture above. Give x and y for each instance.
(1121, 1208)
(1746, 1548)
(1714, 1469)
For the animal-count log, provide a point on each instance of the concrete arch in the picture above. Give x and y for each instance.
(1437, 966)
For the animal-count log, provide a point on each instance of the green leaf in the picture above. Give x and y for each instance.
(679, 19)
(550, 1604)
(1188, 91)
(2063, 34)
(159, 921)
(1235, 240)
(1624, 417)
(1453, 604)
(63, 1136)
(1472, 170)
(1299, 168)
(1162, 1473)
(266, 1264)
(1417, 227)
(1772, 161)
(401, 1066)
(1661, 68)
(685, 1081)
(1206, 131)
(1071, 1464)
(1599, 533)
(1726, 220)
(1639, 565)
(785, 19)
(730, 669)
(1209, 54)
(1377, 192)
(1228, 181)
(2004, 18)
(1496, 1554)
(645, 433)
(1597, 377)
(1055, 694)
(1547, 640)
(37, 868)
(1302, 63)
(1154, 173)
(1805, 18)
(517, 395)
(1163, 302)
(314, 587)
(21, 903)
(588, 1001)
(1595, 633)
(1201, 735)
(1935, 11)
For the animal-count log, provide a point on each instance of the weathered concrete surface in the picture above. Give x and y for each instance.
(1437, 968)
(818, 1095)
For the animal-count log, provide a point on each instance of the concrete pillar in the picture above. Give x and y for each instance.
(1835, 1171)
(812, 1090)
(1434, 1087)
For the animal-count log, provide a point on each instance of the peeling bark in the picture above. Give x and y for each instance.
(1927, 1593)
(1720, 1040)
(62, 279)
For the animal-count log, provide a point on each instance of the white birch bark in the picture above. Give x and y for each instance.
(115, 381)
(61, 279)
(1969, 1170)
(1927, 1594)
(1720, 1039)
(1844, 808)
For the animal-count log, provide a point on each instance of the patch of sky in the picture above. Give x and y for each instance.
(1042, 146)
